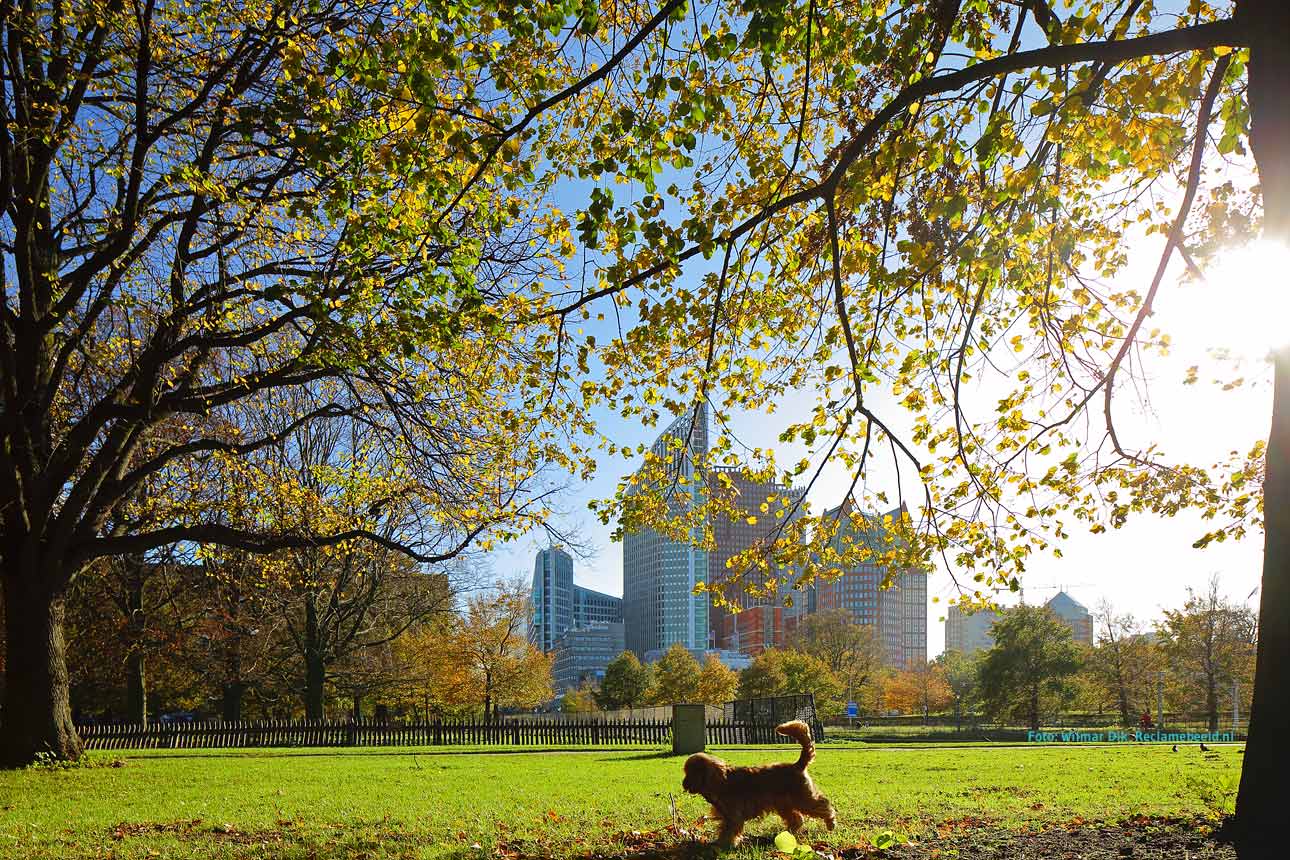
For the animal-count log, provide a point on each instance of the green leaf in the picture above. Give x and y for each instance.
(786, 842)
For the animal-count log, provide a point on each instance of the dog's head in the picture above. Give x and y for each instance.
(703, 774)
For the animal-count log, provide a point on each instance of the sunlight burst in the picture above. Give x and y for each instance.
(1242, 307)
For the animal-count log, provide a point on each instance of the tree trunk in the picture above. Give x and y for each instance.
(233, 688)
(1260, 808)
(231, 701)
(358, 707)
(315, 665)
(136, 687)
(37, 712)
(1034, 709)
(1211, 702)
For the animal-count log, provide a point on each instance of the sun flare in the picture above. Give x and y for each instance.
(1242, 307)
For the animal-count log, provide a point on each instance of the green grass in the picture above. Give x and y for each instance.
(428, 803)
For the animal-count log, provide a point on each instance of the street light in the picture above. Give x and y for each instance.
(1160, 701)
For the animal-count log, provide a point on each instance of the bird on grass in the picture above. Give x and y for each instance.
(1175, 747)
(1204, 748)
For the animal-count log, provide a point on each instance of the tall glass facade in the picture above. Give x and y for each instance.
(552, 611)
(659, 575)
(560, 606)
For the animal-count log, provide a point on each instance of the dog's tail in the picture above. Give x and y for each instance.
(800, 732)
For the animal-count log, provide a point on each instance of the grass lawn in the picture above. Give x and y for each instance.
(424, 803)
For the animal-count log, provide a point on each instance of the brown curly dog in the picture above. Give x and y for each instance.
(740, 794)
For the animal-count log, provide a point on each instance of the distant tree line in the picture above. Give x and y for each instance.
(364, 633)
(1196, 656)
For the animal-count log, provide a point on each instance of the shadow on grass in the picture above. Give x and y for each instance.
(340, 752)
(644, 756)
(644, 846)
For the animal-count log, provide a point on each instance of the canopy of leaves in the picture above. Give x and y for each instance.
(626, 683)
(1027, 673)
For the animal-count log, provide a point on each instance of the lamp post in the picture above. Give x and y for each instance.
(1160, 701)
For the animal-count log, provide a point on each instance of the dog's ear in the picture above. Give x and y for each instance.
(714, 776)
(703, 774)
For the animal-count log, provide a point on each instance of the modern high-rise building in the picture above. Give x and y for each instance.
(591, 608)
(1072, 613)
(969, 633)
(559, 605)
(583, 654)
(759, 622)
(552, 611)
(897, 612)
(659, 575)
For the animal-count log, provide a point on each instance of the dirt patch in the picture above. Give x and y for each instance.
(1141, 838)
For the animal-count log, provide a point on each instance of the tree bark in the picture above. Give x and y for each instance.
(136, 687)
(1211, 702)
(1260, 808)
(37, 711)
(231, 701)
(315, 665)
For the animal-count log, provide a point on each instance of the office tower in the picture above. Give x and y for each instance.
(898, 612)
(969, 633)
(591, 608)
(759, 623)
(1072, 613)
(559, 605)
(552, 610)
(659, 575)
(582, 654)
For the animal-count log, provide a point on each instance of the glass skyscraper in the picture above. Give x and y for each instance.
(552, 612)
(559, 605)
(898, 613)
(660, 607)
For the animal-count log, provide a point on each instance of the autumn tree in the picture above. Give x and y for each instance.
(202, 207)
(579, 701)
(1124, 663)
(626, 683)
(718, 683)
(852, 651)
(129, 626)
(1208, 645)
(675, 677)
(236, 635)
(434, 679)
(499, 667)
(961, 674)
(780, 672)
(909, 196)
(1026, 674)
(341, 601)
(143, 604)
(919, 689)
(764, 677)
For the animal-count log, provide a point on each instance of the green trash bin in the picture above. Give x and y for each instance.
(689, 729)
